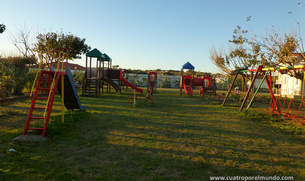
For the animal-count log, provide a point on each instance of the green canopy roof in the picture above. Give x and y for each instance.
(95, 53)
(107, 58)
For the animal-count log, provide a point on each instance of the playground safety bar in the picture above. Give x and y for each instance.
(275, 105)
(67, 57)
(274, 68)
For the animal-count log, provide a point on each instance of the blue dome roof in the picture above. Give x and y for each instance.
(188, 65)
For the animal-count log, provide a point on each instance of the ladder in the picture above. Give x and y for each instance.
(47, 81)
(90, 87)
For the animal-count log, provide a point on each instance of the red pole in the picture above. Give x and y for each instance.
(271, 93)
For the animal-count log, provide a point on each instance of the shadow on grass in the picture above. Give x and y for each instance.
(178, 139)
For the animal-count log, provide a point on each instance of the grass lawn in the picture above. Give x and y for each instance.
(176, 138)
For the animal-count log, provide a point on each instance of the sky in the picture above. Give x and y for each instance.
(149, 34)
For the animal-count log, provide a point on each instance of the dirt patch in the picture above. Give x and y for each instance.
(30, 138)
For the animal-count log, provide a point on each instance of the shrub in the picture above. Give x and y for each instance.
(78, 77)
(14, 74)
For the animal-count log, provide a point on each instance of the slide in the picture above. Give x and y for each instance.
(198, 81)
(131, 85)
(71, 98)
(188, 90)
(187, 83)
(112, 84)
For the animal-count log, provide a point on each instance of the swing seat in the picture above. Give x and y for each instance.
(282, 106)
(152, 101)
(132, 98)
(288, 114)
(272, 110)
(302, 120)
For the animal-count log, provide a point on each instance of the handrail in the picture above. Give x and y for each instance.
(35, 80)
(67, 57)
(55, 75)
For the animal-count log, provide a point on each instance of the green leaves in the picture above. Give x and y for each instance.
(2, 28)
(14, 74)
(46, 43)
(250, 50)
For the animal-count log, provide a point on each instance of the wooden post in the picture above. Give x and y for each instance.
(259, 86)
(181, 81)
(108, 76)
(96, 81)
(230, 88)
(86, 63)
(148, 82)
(103, 75)
(213, 82)
(90, 68)
(250, 88)
(100, 74)
(97, 70)
(252, 91)
(244, 82)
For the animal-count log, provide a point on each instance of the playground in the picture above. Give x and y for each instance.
(148, 133)
(152, 90)
(110, 132)
(177, 137)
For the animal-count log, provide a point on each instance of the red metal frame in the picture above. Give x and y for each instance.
(297, 112)
(190, 78)
(152, 73)
(209, 79)
(146, 98)
(49, 104)
(273, 99)
(288, 114)
(152, 83)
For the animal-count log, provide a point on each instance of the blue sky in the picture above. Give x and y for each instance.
(149, 34)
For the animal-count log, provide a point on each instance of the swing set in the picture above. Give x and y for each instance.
(286, 107)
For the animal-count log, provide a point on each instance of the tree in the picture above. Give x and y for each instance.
(21, 40)
(134, 79)
(2, 28)
(46, 43)
(6, 72)
(115, 67)
(78, 77)
(250, 51)
(166, 82)
(14, 74)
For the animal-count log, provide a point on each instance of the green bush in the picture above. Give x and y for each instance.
(134, 79)
(166, 82)
(78, 77)
(14, 74)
